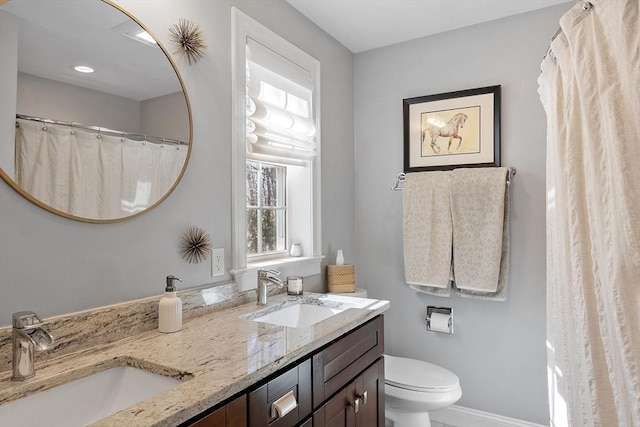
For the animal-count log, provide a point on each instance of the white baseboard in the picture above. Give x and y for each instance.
(459, 416)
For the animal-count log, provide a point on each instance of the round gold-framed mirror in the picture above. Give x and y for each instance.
(101, 146)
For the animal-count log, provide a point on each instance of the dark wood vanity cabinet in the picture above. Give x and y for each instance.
(342, 384)
(344, 359)
(232, 414)
(350, 373)
(359, 404)
(296, 380)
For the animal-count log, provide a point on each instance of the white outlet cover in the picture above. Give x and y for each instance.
(217, 262)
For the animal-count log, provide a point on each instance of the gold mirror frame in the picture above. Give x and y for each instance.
(13, 184)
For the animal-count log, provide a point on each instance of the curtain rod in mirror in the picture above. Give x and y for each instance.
(105, 131)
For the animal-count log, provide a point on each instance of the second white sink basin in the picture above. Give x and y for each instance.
(299, 315)
(85, 400)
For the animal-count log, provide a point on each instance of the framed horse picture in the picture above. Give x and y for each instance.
(452, 130)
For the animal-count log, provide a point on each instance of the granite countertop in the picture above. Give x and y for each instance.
(216, 355)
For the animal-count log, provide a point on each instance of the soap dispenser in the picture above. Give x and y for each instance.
(170, 309)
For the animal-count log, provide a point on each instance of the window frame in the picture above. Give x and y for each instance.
(244, 270)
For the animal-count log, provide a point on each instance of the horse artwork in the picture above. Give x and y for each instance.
(449, 130)
(469, 119)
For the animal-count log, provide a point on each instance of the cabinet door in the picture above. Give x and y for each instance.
(359, 404)
(233, 414)
(369, 388)
(337, 411)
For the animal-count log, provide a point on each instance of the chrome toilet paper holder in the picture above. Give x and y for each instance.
(440, 311)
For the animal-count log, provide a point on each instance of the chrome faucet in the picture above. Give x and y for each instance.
(266, 277)
(27, 337)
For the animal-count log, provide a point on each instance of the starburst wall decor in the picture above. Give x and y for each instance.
(196, 245)
(189, 40)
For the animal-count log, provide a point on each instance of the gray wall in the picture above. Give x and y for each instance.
(165, 116)
(53, 265)
(8, 88)
(62, 101)
(498, 349)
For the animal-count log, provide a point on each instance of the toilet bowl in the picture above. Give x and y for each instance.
(414, 388)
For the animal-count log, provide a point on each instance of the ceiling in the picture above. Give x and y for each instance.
(55, 36)
(362, 25)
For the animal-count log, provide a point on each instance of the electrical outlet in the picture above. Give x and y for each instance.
(217, 262)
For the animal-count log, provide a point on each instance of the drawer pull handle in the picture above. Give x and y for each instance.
(355, 405)
(283, 405)
(364, 397)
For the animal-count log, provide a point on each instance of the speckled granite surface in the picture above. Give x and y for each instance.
(217, 354)
(77, 331)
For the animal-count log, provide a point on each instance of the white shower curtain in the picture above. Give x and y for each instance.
(95, 176)
(590, 89)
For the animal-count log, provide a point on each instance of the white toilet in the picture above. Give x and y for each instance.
(414, 388)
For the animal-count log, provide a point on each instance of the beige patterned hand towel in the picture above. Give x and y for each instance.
(480, 215)
(427, 232)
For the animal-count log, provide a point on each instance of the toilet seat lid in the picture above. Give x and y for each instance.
(418, 375)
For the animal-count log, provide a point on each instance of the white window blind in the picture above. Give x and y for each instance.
(280, 125)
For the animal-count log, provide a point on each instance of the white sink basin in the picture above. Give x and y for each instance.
(299, 315)
(85, 400)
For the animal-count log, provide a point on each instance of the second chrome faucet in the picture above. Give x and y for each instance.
(267, 277)
(27, 337)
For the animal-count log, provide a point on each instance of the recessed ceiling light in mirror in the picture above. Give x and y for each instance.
(83, 69)
(144, 36)
(132, 30)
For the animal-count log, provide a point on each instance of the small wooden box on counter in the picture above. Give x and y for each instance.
(341, 278)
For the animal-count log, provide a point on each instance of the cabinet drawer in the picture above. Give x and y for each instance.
(296, 379)
(343, 360)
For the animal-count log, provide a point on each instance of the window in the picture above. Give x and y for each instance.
(266, 209)
(276, 162)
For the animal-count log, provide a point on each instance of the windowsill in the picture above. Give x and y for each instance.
(247, 278)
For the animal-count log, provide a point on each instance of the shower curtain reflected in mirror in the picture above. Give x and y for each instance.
(91, 175)
(590, 89)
